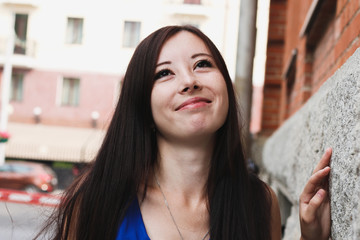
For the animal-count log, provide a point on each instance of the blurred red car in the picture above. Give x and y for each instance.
(27, 176)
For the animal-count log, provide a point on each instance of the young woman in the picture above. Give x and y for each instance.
(171, 165)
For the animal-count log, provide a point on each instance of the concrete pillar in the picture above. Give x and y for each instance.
(244, 63)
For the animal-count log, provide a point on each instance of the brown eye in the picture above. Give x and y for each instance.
(162, 73)
(203, 64)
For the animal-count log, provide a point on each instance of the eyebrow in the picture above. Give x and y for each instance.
(163, 63)
(201, 54)
(193, 56)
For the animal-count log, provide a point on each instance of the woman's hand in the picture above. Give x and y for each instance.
(315, 202)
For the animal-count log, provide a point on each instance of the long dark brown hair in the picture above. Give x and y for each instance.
(95, 204)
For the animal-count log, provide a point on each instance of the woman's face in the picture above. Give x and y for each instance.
(189, 98)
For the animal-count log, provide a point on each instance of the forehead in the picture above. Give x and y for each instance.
(184, 44)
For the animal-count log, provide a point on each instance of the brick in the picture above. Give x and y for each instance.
(340, 6)
(273, 70)
(268, 128)
(346, 16)
(348, 35)
(275, 50)
(306, 96)
(273, 94)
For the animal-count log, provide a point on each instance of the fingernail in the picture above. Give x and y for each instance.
(320, 192)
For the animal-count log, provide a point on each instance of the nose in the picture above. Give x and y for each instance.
(189, 84)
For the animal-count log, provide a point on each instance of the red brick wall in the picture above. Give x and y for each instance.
(273, 70)
(332, 39)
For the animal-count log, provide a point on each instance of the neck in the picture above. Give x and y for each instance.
(184, 168)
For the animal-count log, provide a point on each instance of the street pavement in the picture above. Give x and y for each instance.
(21, 221)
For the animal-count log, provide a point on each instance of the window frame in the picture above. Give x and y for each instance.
(195, 2)
(17, 95)
(74, 31)
(72, 98)
(20, 28)
(130, 38)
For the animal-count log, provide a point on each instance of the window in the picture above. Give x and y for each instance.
(191, 23)
(131, 34)
(5, 168)
(74, 30)
(290, 78)
(192, 1)
(16, 90)
(21, 169)
(70, 92)
(20, 31)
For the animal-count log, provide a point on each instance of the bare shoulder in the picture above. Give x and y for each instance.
(273, 198)
(275, 216)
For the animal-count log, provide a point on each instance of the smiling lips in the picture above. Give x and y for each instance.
(193, 103)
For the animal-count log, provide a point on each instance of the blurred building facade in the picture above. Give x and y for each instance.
(69, 60)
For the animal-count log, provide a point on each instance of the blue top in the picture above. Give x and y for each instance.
(132, 227)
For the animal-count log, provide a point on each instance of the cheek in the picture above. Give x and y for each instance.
(160, 100)
(223, 92)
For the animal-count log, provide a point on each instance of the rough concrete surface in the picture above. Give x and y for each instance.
(331, 118)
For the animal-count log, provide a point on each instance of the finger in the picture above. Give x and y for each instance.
(324, 161)
(315, 182)
(315, 203)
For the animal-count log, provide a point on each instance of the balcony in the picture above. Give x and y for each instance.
(188, 8)
(23, 54)
(24, 3)
(192, 1)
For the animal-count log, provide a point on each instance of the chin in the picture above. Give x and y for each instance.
(202, 132)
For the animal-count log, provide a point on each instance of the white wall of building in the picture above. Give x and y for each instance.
(101, 49)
